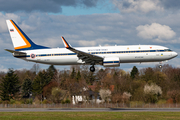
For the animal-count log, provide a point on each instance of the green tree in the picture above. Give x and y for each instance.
(51, 71)
(41, 80)
(134, 72)
(9, 85)
(148, 75)
(73, 74)
(64, 76)
(90, 78)
(58, 95)
(78, 76)
(27, 87)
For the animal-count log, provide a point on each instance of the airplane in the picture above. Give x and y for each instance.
(107, 56)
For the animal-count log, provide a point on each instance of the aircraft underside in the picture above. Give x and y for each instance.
(74, 60)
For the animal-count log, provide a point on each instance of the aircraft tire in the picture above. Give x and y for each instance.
(92, 69)
(160, 66)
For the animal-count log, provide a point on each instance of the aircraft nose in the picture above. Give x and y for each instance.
(175, 54)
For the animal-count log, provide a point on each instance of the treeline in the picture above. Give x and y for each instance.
(147, 85)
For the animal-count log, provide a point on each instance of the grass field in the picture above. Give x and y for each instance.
(90, 115)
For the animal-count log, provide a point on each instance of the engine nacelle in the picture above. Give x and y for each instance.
(111, 62)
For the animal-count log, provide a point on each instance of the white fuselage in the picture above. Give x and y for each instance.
(126, 54)
(111, 56)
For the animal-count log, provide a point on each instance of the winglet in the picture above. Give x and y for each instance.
(65, 43)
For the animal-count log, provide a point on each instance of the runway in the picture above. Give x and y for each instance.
(89, 109)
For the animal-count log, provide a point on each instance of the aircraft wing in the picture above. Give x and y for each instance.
(88, 58)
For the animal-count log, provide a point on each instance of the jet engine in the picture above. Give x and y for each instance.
(111, 62)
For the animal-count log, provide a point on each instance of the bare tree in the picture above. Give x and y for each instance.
(175, 95)
(35, 68)
(116, 98)
(105, 94)
(126, 96)
(57, 78)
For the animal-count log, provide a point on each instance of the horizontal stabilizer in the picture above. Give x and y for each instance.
(12, 51)
(17, 53)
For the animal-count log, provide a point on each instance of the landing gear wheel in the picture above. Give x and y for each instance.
(92, 69)
(160, 66)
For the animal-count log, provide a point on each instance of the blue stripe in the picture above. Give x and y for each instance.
(128, 51)
(71, 53)
(111, 62)
(65, 54)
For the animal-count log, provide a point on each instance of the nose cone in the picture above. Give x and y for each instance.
(175, 54)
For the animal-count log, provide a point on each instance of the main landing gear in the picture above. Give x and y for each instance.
(92, 69)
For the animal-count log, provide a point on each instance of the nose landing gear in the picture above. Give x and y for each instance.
(160, 66)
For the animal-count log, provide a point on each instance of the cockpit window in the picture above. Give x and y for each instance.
(167, 50)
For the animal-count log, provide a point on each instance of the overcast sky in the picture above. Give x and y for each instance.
(91, 23)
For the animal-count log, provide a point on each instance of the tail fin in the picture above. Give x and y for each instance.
(20, 40)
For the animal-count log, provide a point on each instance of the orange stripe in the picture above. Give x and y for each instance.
(25, 40)
(67, 46)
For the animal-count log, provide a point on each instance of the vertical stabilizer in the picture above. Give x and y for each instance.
(20, 40)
